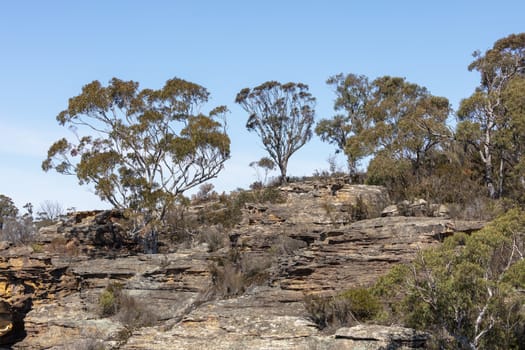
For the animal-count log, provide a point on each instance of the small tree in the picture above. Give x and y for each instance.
(50, 211)
(7, 209)
(282, 115)
(141, 148)
(352, 94)
(267, 165)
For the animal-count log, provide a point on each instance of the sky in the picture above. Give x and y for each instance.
(50, 49)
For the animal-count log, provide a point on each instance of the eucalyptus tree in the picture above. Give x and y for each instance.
(388, 119)
(8, 209)
(352, 95)
(282, 115)
(487, 117)
(408, 121)
(140, 149)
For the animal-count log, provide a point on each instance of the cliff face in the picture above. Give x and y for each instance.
(245, 295)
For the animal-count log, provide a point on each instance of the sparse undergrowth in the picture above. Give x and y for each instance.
(236, 272)
(345, 309)
(115, 302)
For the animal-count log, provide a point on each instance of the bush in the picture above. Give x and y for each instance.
(134, 314)
(344, 309)
(468, 291)
(109, 299)
(213, 237)
(113, 301)
(363, 304)
(285, 245)
(231, 276)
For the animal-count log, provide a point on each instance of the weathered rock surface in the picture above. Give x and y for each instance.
(381, 337)
(316, 203)
(358, 253)
(418, 207)
(312, 243)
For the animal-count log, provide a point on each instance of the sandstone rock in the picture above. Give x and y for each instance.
(311, 244)
(315, 203)
(391, 210)
(6, 320)
(418, 207)
(382, 337)
(358, 253)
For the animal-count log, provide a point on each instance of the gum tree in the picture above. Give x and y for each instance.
(7, 209)
(140, 149)
(352, 94)
(397, 123)
(485, 121)
(282, 115)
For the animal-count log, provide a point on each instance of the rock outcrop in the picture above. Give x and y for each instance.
(324, 238)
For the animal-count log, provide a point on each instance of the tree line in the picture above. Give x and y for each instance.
(142, 148)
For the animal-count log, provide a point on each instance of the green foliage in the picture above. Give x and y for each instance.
(141, 149)
(400, 124)
(282, 115)
(491, 119)
(344, 309)
(468, 291)
(352, 95)
(364, 305)
(109, 299)
(395, 175)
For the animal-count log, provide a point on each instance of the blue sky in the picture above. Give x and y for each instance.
(50, 49)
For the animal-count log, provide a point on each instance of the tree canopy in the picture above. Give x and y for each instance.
(282, 115)
(388, 119)
(491, 118)
(141, 148)
(352, 95)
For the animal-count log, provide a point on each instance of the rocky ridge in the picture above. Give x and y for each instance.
(310, 244)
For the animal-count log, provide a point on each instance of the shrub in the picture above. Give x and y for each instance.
(227, 212)
(285, 245)
(113, 301)
(109, 299)
(134, 314)
(205, 194)
(344, 309)
(358, 211)
(467, 291)
(232, 275)
(213, 237)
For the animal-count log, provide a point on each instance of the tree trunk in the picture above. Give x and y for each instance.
(486, 157)
(283, 165)
(500, 179)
